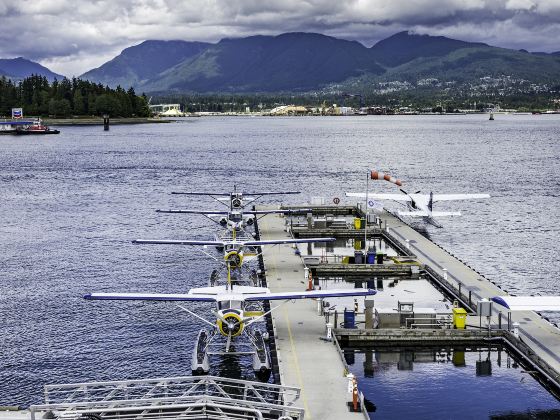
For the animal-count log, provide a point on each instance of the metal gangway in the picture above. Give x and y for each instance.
(189, 397)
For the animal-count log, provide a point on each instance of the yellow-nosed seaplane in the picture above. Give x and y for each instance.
(235, 200)
(234, 249)
(238, 308)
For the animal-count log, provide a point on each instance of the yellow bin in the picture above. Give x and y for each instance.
(357, 223)
(459, 318)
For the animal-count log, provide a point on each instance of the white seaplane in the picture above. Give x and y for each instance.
(235, 219)
(234, 249)
(420, 205)
(238, 308)
(236, 200)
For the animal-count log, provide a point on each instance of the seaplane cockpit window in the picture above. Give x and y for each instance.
(235, 217)
(224, 305)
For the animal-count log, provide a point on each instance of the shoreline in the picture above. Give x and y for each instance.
(99, 121)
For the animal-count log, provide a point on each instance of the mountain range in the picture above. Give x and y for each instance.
(295, 62)
(303, 62)
(19, 68)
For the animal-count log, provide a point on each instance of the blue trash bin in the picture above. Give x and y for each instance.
(349, 318)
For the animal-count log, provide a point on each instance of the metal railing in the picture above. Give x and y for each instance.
(178, 397)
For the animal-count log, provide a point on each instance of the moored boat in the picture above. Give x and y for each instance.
(36, 128)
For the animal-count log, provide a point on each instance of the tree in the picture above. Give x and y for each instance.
(59, 107)
(106, 104)
(79, 106)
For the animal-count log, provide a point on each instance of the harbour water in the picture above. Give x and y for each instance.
(465, 383)
(71, 204)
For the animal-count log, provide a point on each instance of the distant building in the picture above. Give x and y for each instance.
(167, 110)
(289, 110)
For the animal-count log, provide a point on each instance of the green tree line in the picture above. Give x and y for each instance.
(69, 97)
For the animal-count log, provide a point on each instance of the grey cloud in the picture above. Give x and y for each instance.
(72, 36)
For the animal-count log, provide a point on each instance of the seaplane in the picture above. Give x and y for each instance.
(235, 220)
(419, 205)
(235, 200)
(238, 309)
(234, 250)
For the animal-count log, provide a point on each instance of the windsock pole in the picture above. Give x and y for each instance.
(366, 215)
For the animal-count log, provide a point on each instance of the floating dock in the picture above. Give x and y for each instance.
(307, 361)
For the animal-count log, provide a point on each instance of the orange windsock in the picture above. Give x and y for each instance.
(386, 177)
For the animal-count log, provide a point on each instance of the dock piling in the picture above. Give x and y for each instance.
(368, 303)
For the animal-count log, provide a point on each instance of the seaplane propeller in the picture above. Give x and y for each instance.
(234, 259)
(412, 202)
(236, 203)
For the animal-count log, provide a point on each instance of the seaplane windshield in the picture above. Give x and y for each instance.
(229, 304)
(235, 217)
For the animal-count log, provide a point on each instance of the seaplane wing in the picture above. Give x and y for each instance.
(176, 242)
(152, 296)
(296, 211)
(529, 303)
(188, 211)
(272, 193)
(218, 194)
(418, 213)
(310, 295)
(288, 241)
(453, 197)
(226, 212)
(221, 293)
(378, 196)
(421, 213)
(222, 194)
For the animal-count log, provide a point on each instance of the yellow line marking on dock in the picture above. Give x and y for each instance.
(296, 364)
(292, 344)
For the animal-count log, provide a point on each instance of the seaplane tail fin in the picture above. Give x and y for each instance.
(188, 211)
(529, 303)
(445, 213)
(176, 242)
(289, 241)
(151, 296)
(311, 295)
(453, 197)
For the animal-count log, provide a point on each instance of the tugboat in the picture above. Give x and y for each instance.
(36, 128)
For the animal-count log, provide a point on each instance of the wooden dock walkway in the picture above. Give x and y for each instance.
(305, 361)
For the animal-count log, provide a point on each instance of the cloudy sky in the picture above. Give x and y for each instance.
(73, 36)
